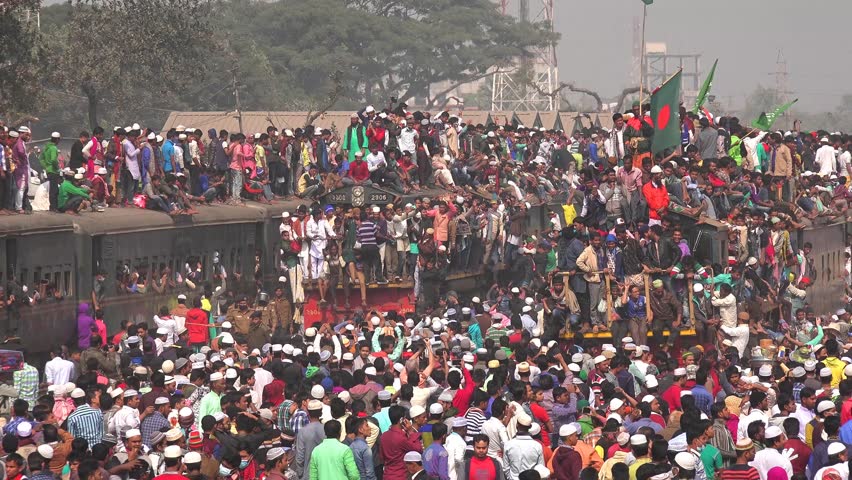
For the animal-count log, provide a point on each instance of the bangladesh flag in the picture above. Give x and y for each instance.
(765, 120)
(664, 112)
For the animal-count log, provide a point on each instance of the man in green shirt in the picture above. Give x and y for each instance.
(72, 197)
(211, 403)
(50, 164)
(355, 139)
(332, 460)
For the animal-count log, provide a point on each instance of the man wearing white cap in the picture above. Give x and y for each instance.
(85, 421)
(414, 466)
(565, 458)
(127, 416)
(72, 197)
(826, 158)
(456, 446)
(522, 452)
(354, 139)
(308, 438)
(772, 455)
(49, 160)
(837, 460)
(210, 403)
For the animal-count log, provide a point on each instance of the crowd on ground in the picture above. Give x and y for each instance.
(741, 379)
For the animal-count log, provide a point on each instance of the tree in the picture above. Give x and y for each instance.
(130, 54)
(20, 59)
(443, 41)
(382, 48)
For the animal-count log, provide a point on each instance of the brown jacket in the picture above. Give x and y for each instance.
(783, 162)
(61, 449)
(282, 313)
(258, 335)
(239, 320)
(588, 262)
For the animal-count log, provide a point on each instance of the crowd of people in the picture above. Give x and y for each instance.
(546, 370)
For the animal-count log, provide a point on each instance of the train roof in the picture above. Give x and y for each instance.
(41, 222)
(123, 220)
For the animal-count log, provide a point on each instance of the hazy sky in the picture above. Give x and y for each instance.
(745, 35)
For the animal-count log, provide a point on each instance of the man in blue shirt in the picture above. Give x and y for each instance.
(435, 457)
(703, 398)
(169, 152)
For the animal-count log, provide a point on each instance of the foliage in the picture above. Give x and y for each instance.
(131, 54)
(20, 55)
(128, 58)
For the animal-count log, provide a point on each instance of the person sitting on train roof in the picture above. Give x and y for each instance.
(155, 201)
(72, 197)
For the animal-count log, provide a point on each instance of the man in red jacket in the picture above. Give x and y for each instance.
(656, 195)
(197, 325)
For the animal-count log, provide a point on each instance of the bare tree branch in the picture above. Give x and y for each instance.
(455, 85)
(625, 93)
(331, 98)
(571, 87)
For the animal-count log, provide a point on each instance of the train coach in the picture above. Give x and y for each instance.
(49, 263)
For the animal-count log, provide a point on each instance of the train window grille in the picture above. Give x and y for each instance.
(68, 283)
(205, 267)
(238, 263)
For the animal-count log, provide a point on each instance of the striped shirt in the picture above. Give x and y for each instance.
(475, 419)
(87, 422)
(739, 472)
(299, 420)
(367, 233)
(495, 333)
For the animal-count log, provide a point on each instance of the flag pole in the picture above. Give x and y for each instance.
(642, 59)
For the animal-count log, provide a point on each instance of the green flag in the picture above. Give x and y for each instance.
(765, 120)
(705, 88)
(664, 114)
(648, 2)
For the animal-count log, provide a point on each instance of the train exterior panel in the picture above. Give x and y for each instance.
(67, 252)
(38, 261)
(829, 255)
